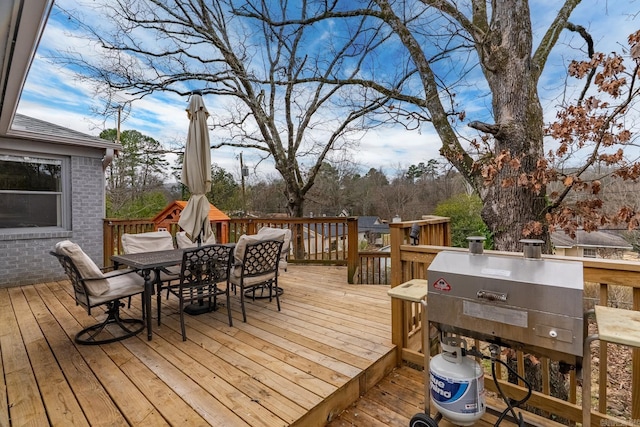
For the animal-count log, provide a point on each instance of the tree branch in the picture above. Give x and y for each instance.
(492, 129)
(550, 38)
(587, 38)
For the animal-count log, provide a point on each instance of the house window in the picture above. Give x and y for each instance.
(30, 192)
(589, 253)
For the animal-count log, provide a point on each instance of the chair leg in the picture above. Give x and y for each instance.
(244, 314)
(89, 336)
(229, 306)
(181, 308)
(277, 294)
(159, 300)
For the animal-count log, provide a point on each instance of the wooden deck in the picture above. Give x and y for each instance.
(295, 367)
(300, 367)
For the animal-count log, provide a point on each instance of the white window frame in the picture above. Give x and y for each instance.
(589, 252)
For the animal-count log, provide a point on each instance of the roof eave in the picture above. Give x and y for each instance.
(23, 29)
(66, 140)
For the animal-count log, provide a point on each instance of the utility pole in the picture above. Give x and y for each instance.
(118, 129)
(243, 172)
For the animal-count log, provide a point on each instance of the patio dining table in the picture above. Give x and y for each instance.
(148, 262)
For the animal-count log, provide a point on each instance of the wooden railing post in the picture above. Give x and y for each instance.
(434, 230)
(635, 363)
(352, 248)
(397, 312)
(252, 227)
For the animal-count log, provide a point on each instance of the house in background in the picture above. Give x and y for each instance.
(596, 244)
(52, 183)
(320, 238)
(373, 231)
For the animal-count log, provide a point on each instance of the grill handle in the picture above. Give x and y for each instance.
(491, 296)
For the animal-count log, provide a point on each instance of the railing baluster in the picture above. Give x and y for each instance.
(602, 371)
(635, 367)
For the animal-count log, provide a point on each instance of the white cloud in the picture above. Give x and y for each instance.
(387, 149)
(52, 94)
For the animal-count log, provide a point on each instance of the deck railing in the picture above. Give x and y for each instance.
(321, 240)
(605, 281)
(374, 268)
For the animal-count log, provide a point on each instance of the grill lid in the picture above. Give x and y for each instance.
(530, 303)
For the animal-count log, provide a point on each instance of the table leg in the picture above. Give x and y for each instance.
(148, 290)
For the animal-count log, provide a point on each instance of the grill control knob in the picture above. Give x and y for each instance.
(553, 334)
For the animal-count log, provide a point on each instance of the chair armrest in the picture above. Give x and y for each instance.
(116, 273)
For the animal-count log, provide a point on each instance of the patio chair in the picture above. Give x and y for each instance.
(283, 234)
(203, 269)
(256, 266)
(93, 287)
(184, 242)
(149, 242)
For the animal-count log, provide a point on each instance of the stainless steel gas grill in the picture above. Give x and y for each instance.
(527, 303)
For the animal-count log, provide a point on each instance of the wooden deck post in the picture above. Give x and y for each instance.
(397, 318)
(352, 248)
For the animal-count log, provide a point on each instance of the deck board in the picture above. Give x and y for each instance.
(299, 367)
(22, 387)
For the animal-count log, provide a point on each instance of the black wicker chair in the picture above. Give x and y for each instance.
(103, 289)
(203, 269)
(258, 268)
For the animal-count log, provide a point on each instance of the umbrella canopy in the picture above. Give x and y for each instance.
(196, 172)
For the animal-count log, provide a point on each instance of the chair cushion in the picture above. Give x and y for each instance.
(249, 281)
(86, 267)
(147, 242)
(185, 243)
(119, 286)
(241, 247)
(247, 239)
(284, 234)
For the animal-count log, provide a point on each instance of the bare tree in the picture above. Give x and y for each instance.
(443, 42)
(273, 80)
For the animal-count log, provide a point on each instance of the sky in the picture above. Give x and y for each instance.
(52, 93)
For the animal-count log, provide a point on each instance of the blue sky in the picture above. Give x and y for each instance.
(52, 93)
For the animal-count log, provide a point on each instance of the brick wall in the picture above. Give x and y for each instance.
(25, 256)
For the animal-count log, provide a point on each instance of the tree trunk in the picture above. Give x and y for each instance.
(506, 62)
(295, 207)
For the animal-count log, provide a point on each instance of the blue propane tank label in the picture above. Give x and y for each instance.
(459, 396)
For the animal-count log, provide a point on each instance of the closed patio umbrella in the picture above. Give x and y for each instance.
(196, 172)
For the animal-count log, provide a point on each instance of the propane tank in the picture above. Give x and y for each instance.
(457, 383)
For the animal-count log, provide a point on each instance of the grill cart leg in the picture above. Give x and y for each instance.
(424, 419)
(426, 349)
